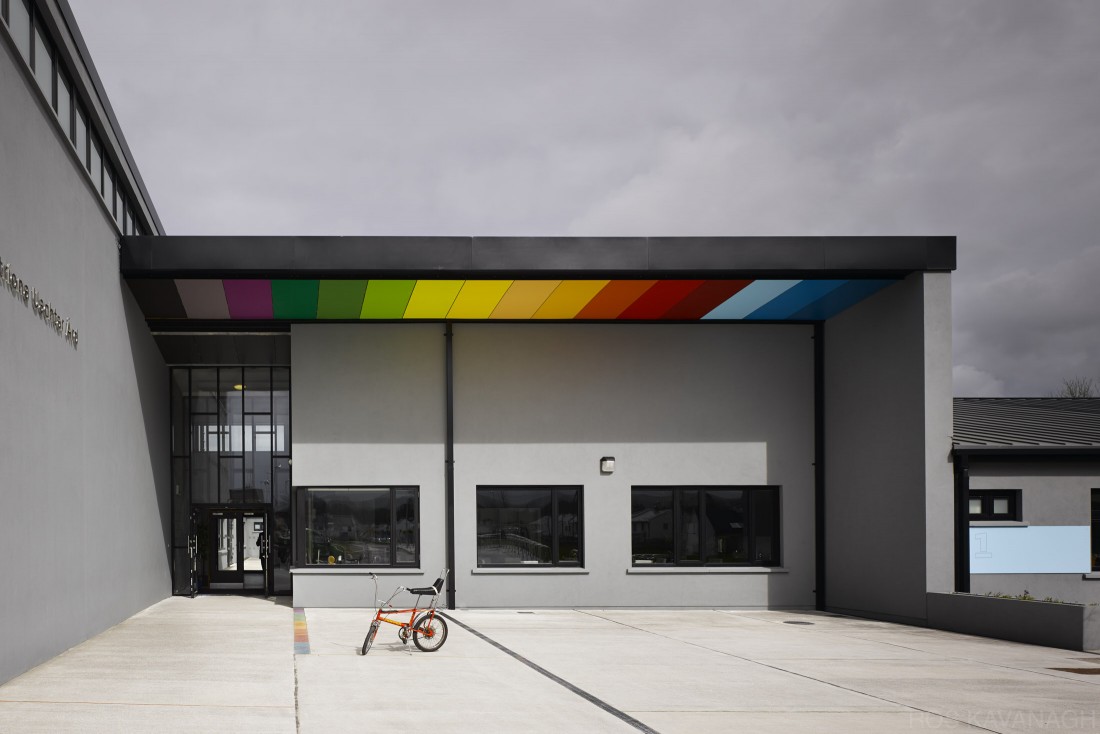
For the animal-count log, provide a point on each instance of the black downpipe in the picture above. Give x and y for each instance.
(449, 466)
(962, 524)
(819, 465)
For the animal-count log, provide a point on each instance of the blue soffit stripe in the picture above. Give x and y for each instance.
(750, 298)
(840, 299)
(795, 299)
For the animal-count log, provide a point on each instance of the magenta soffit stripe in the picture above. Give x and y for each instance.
(249, 299)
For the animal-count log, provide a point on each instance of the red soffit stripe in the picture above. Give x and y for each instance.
(615, 297)
(655, 302)
(704, 299)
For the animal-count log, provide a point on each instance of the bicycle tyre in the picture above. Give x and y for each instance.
(436, 628)
(369, 639)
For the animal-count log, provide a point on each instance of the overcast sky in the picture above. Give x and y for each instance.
(959, 117)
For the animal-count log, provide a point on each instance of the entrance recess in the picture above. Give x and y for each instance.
(237, 550)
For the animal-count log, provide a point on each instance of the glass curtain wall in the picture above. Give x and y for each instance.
(230, 448)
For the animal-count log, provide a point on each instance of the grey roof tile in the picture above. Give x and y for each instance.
(1027, 422)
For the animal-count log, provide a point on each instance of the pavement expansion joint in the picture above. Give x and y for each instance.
(600, 703)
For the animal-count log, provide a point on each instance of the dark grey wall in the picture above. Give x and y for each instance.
(1069, 587)
(84, 493)
(887, 433)
(1066, 626)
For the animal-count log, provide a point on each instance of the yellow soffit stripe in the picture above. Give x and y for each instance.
(524, 298)
(478, 298)
(432, 299)
(569, 298)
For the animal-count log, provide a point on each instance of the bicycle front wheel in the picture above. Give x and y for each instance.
(429, 632)
(369, 640)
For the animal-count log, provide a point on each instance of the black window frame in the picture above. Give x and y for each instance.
(987, 496)
(555, 530)
(302, 521)
(752, 495)
(1095, 530)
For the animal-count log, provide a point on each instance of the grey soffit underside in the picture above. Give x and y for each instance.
(532, 257)
(227, 348)
(1015, 423)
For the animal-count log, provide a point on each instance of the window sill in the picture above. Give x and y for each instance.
(998, 524)
(353, 571)
(676, 570)
(1094, 576)
(532, 571)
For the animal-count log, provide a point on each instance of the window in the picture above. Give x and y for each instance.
(109, 187)
(704, 526)
(1096, 530)
(80, 137)
(362, 526)
(96, 165)
(995, 504)
(529, 526)
(64, 104)
(43, 63)
(20, 25)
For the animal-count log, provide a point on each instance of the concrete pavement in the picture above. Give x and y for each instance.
(229, 663)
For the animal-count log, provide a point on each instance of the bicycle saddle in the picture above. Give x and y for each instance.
(429, 590)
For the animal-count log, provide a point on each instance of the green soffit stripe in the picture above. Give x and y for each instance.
(340, 299)
(386, 299)
(294, 299)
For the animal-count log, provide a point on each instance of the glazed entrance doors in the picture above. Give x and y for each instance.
(238, 550)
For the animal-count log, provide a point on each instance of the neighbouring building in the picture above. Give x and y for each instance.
(1030, 472)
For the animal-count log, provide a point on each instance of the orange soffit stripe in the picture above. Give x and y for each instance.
(524, 298)
(615, 298)
(569, 298)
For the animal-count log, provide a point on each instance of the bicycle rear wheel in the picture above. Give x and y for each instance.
(369, 640)
(429, 632)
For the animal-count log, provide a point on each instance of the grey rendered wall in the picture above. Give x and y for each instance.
(887, 437)
(368, 407)
(674, 404)
(84, 504)
(1051, 494)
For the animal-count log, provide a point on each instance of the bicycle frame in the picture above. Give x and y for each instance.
(427, 631)
(382, 615)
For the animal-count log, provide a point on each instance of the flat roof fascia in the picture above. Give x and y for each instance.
(534, 257)
(1017, 453)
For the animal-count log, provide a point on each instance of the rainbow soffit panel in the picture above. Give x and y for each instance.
(480, 300)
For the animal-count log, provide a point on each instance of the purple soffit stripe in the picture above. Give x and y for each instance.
(249, 299)
(203, 299)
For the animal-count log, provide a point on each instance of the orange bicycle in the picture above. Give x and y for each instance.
(427, 629)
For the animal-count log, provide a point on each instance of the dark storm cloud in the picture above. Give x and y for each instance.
(976, 118)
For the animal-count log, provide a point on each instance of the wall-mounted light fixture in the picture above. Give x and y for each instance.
(607, 465)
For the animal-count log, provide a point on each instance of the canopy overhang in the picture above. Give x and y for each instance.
(192, 282)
